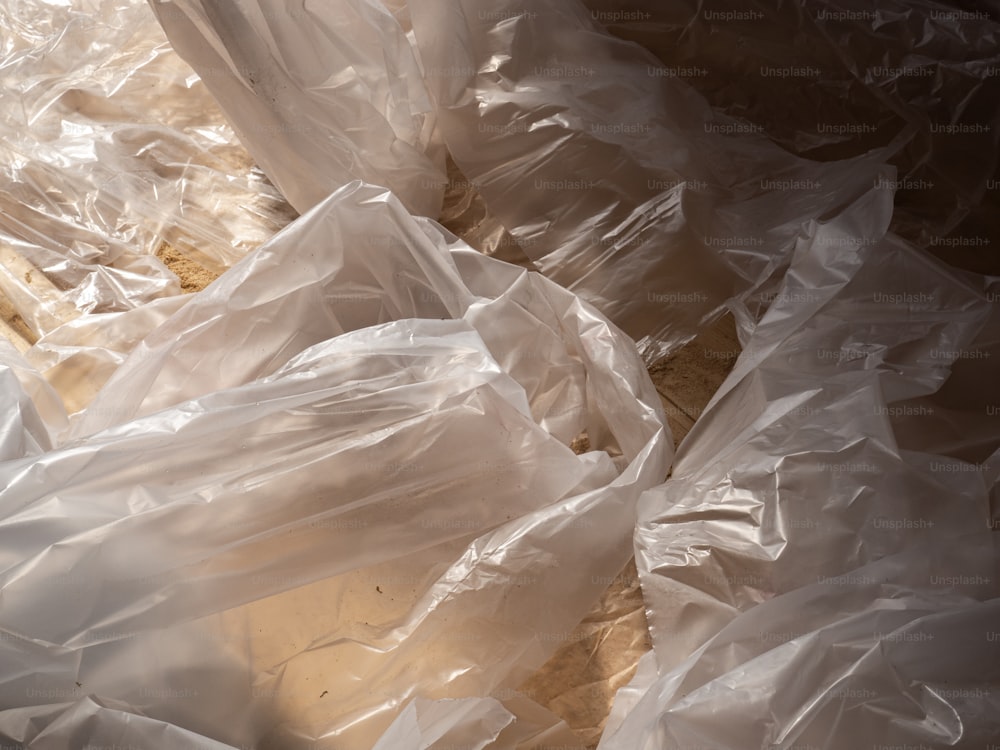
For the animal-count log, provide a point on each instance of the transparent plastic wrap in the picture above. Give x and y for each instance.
(23, 429)
(356, 491)
(321, 94)
(830, 79)
(621, 185)
(475, 723)
(879, 657)
(332, 482)
(110, 147)
(809, 582)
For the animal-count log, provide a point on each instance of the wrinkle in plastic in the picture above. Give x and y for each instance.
(110, 147)
(321, 94)
(373, 448)
(809, 581)
(331, 495)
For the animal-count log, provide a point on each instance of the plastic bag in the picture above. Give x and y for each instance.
(320, 93)
(810, 582)
(278, 513)
(110, 147)
(623, 186)
(294, 436)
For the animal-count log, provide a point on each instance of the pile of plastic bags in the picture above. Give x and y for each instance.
(356, 490)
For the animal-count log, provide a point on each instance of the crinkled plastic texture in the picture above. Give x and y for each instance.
(476, 723)
(334, 481)
(621, 185)
(610, 172)
(809, 581)
(80, 355)
(110, 146)
(871, 658)
(320, 93)
(271, 520)
(831, 79)
(26, 399)
(465, 213)
(471, 723)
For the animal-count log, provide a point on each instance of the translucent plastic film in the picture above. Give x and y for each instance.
(623, 185)
(874, 658)
(355, 491)
(320, 93)
(811, 581)
(110, 147)
(620, 184)
(379, 442)
(829, 79)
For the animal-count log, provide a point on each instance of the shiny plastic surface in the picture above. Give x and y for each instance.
(320, 93)
(620, 184)
(331, 501)
(809, 581)
(109, 147)
(388, 431)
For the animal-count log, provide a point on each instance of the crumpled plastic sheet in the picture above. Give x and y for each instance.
(337, 479)
(320, 93)
(810, 582)
(276, 513)
(528, 112)
(608, 184)
(621, 185)
(26, 399)
(579, 682)
(475, 723)
(872, 658)
(110, 146)
(829, 80)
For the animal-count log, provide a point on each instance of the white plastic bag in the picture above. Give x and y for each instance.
(320, 93)
(621, 185)
(810, 582)
(293, 439)
(109, 147)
